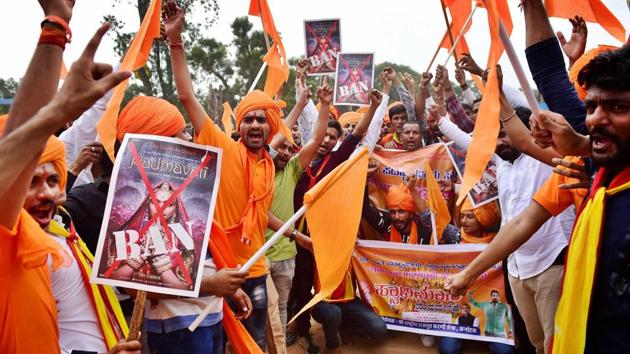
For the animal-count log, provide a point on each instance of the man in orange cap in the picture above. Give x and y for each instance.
(247, 172)
(348, 121)
(475, 222)
(32, 184)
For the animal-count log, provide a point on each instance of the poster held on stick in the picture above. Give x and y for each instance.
(158, 216)
(355, 78)
(322, 41)
(135, 325)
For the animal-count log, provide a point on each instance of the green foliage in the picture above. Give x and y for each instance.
(8, 87)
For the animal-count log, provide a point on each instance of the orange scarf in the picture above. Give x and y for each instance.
(247, 223)
(395, 236)
(485, 238)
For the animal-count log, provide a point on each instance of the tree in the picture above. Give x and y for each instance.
(8, 87)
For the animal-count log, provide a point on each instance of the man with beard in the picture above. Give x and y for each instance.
(411, 136)
(535, 268)
(608, 117)
(495, 313)
(289, 168)
(324, 162)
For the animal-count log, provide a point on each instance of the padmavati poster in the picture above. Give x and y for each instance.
(403, 284)
(355, 78)
(322, 39)
(158, 216)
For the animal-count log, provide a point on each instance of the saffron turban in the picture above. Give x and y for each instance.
(54, 152)
(259, 100)
(363, 109)
(149, 115)
(349, 118)
(399, 197)
(333, 110)
(487, 215)
(581, 63)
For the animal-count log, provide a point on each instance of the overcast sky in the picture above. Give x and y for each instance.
(405, 32)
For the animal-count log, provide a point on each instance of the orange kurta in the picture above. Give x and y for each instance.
(28, 322)
(232, 198)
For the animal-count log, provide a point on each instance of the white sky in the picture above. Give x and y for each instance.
(405, 32)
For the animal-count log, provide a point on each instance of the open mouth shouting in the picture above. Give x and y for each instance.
(42, 213)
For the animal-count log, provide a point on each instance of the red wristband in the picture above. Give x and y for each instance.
(62, 23)
(53, 36)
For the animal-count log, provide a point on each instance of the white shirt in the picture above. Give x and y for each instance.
(517, 183)
(78, 324)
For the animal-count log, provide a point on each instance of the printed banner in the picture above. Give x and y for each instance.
(322, 39)
(395, 165)
(158, 216)
(355, 78)
(484, 191)
(404, 285)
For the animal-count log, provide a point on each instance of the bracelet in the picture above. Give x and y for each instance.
(178, 44)
(54, 36)
(508, 118)
(67, 33)
(293, 235)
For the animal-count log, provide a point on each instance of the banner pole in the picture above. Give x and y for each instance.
(135, 325)
(518, 69)
(437, 50)
(448, 30)
(460, 36)
(261, 252)
(260, 72)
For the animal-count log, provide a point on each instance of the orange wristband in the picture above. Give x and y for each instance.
(62, 23)
(53, 36)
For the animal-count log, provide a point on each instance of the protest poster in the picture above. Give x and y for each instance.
(403, 284)
(484, 191)
(355, 78)
(322, 39)
(158, 216)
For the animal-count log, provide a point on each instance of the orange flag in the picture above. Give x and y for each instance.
(276, 57)
(591, 11)
(226, 119)
(219, 246)
(459, 10)
(487, 124)
(134, 59)
(437, 204)
(334, 234)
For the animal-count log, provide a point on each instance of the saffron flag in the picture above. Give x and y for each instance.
(437, 204)
(134, 59)
(226, 119)
(591, 11)
(487, 125)
(276, 57)
(334, 234)
(459, 10)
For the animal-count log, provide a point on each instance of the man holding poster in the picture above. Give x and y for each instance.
(355, 77)
(323, 43)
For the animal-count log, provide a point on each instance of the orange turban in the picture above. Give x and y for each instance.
(487, 215)
(149, 115)
(581, 63)
(55, 152)
(362, 110)
(349, 118)
(399, 197)
(260, 100)
(333, 110)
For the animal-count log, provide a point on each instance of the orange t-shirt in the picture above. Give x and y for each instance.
(556, 200)
(28, 311)
(232, 198)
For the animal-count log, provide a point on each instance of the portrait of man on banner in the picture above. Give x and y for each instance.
(355, 78)
(322, 39)
(158, 216)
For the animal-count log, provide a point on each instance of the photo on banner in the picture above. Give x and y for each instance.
(355, 78)
(403, 284)
(484, 191)
(158, 216)
(322, 40)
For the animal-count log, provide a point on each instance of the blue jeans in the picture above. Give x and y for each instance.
(204, 340)
(454, 346)
(256, 289)
(353, 315)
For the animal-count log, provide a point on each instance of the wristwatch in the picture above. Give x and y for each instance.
(293, 235)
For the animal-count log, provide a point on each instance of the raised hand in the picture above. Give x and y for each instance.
(386, 82)
(61, 8)
(553, 129)
(302, 67)
(174, 19)
(90, 153)
(325, 94)
(572, 170)
(425, 79)
(574, 48)
(87, 81)
(467, 63)
(375, 98)
(460, 76)
(304, 91)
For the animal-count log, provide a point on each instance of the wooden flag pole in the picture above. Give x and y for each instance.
(461, 34)
(138, 315)
(253, 259)
(437, 50)
(448, 30)
(258, 76)
(518, 69)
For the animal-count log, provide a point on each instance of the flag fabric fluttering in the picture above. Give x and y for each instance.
(591, 10)
(459, 11)
(134, 59)
(276, 57)
(334, 234)
(226, 119)
(437, 204)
